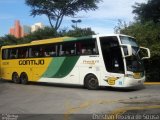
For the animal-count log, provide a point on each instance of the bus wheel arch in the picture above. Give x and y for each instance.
(91, 82)
(24, 78)
(15, 78)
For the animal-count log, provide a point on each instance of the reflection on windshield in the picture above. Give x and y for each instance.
(129, 40)
(134, 62)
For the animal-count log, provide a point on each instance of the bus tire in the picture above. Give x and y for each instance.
(24, 78)
(15, 78)
(91, 82)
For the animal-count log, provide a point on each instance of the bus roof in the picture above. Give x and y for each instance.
(46, 41)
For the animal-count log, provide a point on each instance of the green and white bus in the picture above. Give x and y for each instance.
(100, 60)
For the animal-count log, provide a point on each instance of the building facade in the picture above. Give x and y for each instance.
(36, 26)
(26, 30)
(18, 31)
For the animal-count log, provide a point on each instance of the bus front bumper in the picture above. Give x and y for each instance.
(125, 82)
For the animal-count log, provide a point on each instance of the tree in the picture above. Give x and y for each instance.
(146, 29)
(121, 25)
(40, 34)
(56, 10)
(147, 34)
(79, 32)
(45, 33)
(8, 40)
(149, 11)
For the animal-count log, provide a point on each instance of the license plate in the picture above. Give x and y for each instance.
(137, 75)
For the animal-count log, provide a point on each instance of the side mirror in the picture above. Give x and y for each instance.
(127, 50)
(145, 53)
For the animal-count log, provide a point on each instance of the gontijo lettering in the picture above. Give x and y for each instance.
(31, 62)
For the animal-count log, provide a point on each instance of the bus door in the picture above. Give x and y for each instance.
(112, 56)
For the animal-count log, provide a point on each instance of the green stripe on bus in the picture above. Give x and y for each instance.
(66, 67)
(60, 67)
(53, 67)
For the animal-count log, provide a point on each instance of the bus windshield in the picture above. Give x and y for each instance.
(134, 62)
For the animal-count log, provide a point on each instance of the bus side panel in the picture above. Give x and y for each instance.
(0, 63)
(7, 71)
(89, 65)
(34, 68)
(62, 70)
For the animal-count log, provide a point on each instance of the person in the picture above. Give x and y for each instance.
(41, 52)
(89, 52)
(72, 52)
(52, 53)
(46, 54)
(83, 51)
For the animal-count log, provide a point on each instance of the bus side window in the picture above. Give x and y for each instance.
(13, 53)
(87, 47)
(50, 50)
(23, 52)
(41, 52)
(35, 54)
(78, 48)
(52, 53)
(61, 50)
(72, 52)
(46, 54)
(26, 54)
(30, 54)
(84, 51)
(68, 49)
(5, 54)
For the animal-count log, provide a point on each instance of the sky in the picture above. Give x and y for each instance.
(102, 21)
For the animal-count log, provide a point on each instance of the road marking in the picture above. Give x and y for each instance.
(72, 109)
(86, 104)
(152, 83)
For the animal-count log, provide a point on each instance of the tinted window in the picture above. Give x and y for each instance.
(5, 54)
(87, 47)
(23, 52)
(112, 54)
(81, 47)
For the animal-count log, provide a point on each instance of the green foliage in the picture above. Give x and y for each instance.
(56, 10)
(147, 32)
(8, 40)
(40, 34)
(79, 32)
(148, 35)
(45, 33)
(149, 11)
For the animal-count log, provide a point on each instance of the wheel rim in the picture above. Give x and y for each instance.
(24, 79)
(92, 83)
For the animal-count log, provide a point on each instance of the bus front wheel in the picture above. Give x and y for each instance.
(24, 78)
(91, 82)
(15, 78)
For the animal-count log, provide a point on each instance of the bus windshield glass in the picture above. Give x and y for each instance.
(134, 62)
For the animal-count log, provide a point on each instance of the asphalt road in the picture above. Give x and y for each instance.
(50, 101)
